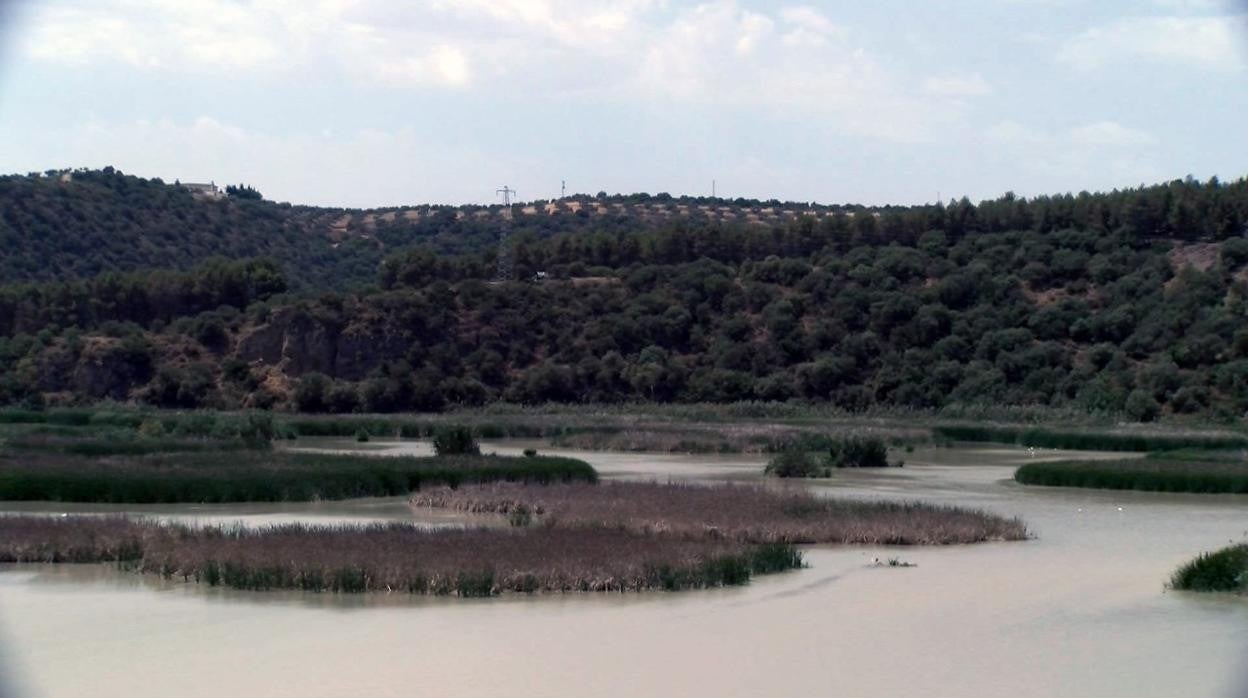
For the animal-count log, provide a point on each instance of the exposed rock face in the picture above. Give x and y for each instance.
(292, 341)
(106, 369)
(361, 348)
(296, 343)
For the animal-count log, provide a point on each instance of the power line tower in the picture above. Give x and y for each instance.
(505, 271)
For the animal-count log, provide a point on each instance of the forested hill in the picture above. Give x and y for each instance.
(1129, 302)
(62, 225)
(75, 225)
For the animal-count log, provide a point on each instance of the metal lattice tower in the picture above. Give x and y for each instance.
(505, 270)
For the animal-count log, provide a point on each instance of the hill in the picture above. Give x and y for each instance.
(78, 224)
(1128, 302)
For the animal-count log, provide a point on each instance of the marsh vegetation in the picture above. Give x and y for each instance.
(394, 557)
(121, 457)
(248, 476)
(845, 452)
(1222, 570)
(1088, 439)
(745, 513)
(1208, 473)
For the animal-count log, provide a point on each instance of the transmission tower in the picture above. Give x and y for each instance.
(505, 271)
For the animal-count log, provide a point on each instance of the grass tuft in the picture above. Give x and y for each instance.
(1224, 570)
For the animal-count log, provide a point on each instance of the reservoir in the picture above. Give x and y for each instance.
(1080, 611)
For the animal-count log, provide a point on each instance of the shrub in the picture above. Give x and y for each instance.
(151, 428)
(455, 440)
(858, 452)
(794, 462)
(1141, 406)
(311, 392)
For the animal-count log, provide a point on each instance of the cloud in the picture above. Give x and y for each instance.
(1110, 133)
(434, 42)
(207, 35)
(1207, 42)
(795, 60)
(808, 26)
(1079, 156)
(957, 86)
(444, 65)
(1193, 6)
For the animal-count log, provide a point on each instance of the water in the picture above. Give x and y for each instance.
(1080, 611)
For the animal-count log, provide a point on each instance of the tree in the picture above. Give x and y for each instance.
(311, 391)
(242, 191)
(1141, 406)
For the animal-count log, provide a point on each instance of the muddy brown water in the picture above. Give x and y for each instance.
(1079, 611)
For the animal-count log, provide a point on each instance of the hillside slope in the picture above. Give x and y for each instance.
(60, 226)
(1128, 303)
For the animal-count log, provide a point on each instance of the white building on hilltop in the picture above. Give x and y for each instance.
(207, 191)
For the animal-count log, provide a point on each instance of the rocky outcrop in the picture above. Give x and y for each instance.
(106, 368)
(292, 341)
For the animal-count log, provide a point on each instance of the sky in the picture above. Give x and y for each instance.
(378, 102)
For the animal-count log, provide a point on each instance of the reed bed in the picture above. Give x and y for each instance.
(1144, 474)
(1080, 440)
(742, 513)
(123, 443)
(252, 476)
(395, 557)
(26, 538)
(1224, 570)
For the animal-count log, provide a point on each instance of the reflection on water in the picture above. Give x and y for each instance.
(330, 513)
(1080, 611)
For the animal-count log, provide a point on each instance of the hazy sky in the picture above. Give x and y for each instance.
(374, 102)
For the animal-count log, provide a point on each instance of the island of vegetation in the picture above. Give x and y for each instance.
(567, 532)
(237, 464)
(744, 513)
(1225, 570)
(1202, 472)
(562, 538)
(844, 452)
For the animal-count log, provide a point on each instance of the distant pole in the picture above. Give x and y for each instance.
(505, 270)
(712, 189)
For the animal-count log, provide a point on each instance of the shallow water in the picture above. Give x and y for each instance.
(1080, 611)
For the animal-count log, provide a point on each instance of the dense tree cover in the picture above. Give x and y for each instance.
(142, 298)
(242, 191)
(63, 225)
(104, 221)
(1026, 318)
(1108, 302)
